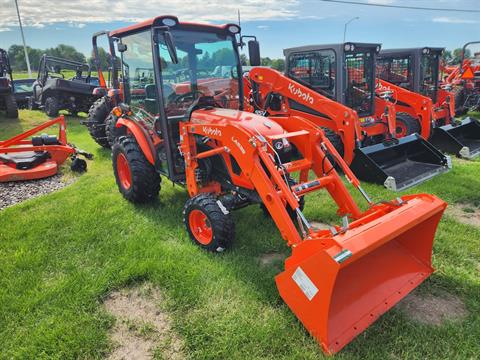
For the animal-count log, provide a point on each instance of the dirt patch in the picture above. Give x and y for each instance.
(271, 258)
(465, 213)
(142, 328)
(433, 310)
(14, 192)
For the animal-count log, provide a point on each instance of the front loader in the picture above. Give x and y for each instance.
(334, 87)
(418, 70)
(196, 134)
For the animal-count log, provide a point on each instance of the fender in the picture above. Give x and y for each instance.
(141, 137)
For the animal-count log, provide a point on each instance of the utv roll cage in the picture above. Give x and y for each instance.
(52, 66)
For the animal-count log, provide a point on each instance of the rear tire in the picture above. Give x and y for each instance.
(111, 132)
(97, 116)
(406, 125)
(31, 104)
(136, 178)
(459, 99)
(52, 106)
(208, 223)
(11, 107)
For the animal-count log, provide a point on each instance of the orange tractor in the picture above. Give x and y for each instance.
(465, 79)
(334, 87)
(190, 127)
(100, 122)
(433, 104)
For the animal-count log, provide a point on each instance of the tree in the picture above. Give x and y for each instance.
(457, 55)
(447, 56)
(104, 58)
(243, 60)
(66, 52)
(278, 64)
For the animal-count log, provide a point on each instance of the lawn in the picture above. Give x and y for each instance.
(63, 253)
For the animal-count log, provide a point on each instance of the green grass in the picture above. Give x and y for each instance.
(61, 254)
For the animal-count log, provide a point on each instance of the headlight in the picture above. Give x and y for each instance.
(426, 50)
(234, 29)
(281, 144)
(169, 22)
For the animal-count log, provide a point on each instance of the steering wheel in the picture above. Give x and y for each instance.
(195, 94)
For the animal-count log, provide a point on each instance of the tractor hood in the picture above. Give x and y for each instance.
(253, 123)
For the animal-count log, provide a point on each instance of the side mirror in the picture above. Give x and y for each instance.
(172, 51)
(121, 47)
(254, 52)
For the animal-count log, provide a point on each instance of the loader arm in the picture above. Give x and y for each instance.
(324, 112)
(417, 105)
(337, 281)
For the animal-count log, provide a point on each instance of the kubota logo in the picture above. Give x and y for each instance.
(236, 142)
(300, 94)
(212, 131)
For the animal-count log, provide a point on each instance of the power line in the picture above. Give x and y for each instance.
(401, 6)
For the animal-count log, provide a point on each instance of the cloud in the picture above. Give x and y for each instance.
(103, 11)
(452, 20)
(5, 29)
(381, 2)
(76, 25)
(263, 27)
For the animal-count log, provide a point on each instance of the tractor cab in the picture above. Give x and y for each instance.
(191, 63)
(342, 72)
(415, 69)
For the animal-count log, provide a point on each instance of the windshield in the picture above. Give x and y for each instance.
(360, 82)
(429, 75)
(207, 66)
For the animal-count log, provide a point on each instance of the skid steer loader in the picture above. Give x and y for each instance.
(418, 70)
(193, 131)
(334, 87)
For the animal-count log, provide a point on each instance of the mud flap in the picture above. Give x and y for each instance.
(462, 139)
(400, 165)
(337, 291)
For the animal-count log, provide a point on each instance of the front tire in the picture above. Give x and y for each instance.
(11, 107)
(406, 125)
(209, 224)
(52, 106)
(136, 178)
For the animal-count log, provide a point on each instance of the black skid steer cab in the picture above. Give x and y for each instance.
(7, 98)
(63, 85)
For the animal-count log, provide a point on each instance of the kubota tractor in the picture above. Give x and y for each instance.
(194, 133)
(334, 87)
(101, 122)
(418, 70)
(7, 97)
(465, 79)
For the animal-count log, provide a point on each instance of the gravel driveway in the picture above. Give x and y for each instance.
(17, 191)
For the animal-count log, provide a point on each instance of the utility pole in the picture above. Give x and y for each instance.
(346, 24)
(23, 39)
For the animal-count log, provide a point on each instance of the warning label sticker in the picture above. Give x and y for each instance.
(304, 283)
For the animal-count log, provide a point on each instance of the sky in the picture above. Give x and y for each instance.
(278, 24)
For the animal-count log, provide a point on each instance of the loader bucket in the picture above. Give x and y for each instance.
(462, 140)
(399, 165)
(337, 291)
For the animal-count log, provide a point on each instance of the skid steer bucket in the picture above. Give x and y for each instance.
(338, 285)
(462, 139)
(401, 164)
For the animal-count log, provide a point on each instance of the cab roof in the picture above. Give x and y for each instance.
(158, 21)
